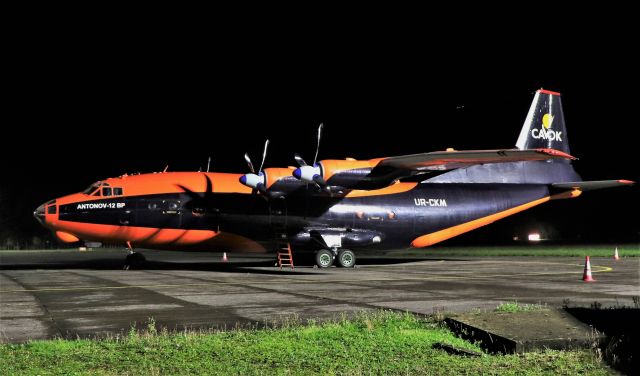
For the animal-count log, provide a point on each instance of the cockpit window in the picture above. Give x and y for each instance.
(90, 189)
(106, 191)
(94, 189)
(117, 191)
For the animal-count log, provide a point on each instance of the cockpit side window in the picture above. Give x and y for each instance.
(106, 191)
(117, 191)
(90, 189)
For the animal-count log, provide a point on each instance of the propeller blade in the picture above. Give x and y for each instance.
(189, 192)
(209, 189)
(246, 158)
(315, 159)
(264, 154)
(299, 160)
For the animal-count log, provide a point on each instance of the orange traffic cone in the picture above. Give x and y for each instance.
(615, 255)
(224, 257)
(586, 276)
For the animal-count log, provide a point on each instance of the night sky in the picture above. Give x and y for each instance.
(80, 113)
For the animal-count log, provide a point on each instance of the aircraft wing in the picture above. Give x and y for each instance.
(448, 160)
(592, 185)
(338, 177)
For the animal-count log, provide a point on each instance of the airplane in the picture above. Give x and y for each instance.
(333, 208)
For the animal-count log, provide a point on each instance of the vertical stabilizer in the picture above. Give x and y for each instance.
(544, 126)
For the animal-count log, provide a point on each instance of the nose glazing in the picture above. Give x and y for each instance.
(39, 213)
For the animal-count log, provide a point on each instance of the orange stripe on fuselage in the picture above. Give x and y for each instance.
(159, 237)
(438, 236)
(137, 235)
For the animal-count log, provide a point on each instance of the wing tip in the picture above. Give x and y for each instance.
(543, 91)
(556, 153)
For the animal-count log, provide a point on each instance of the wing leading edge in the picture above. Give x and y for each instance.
(448, 160)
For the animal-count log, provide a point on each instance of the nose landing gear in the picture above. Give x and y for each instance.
(134, 260)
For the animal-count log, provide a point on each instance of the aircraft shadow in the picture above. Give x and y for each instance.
(231, 267)
(112, 264)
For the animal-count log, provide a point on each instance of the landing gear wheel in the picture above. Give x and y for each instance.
(346, 258)
(134, 260)
(324, 258)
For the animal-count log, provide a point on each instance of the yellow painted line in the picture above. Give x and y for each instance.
(431, 277)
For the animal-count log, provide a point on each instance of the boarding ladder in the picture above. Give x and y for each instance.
(278, 218)
(285, 257)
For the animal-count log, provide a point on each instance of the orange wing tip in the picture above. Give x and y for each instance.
(556, 153)
(543, 91)
(66, 237)
(629, 182)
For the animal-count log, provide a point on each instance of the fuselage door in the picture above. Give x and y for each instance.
(278, 213)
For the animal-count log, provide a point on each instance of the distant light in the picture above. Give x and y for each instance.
(534, 237)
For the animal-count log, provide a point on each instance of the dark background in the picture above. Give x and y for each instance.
(85, 107)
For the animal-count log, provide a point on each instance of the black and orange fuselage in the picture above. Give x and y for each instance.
(153, 211)
(337, 204)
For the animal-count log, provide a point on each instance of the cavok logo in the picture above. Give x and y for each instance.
(545, 132)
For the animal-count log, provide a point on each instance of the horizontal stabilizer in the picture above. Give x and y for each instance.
(448, 160)
(592, 185)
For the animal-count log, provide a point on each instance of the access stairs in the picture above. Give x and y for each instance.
(283, 249)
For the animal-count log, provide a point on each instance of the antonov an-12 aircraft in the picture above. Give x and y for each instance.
(332, 208)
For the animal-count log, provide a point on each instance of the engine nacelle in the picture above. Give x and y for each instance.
(345, 173)
(309, 174)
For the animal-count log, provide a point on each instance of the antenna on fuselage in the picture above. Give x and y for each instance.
(208, 163)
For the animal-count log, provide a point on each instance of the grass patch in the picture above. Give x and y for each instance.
(517, 307)
(529, 250)
(374, 343)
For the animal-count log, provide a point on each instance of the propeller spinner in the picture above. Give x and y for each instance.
(256, 181)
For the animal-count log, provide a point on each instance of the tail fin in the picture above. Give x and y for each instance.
(544, 126)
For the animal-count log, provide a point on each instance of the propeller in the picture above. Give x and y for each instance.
(256, 181)
(313, 173)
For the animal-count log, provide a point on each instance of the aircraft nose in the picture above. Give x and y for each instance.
(39, 213)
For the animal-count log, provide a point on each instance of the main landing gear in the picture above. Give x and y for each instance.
(134, 260)
(344, 257)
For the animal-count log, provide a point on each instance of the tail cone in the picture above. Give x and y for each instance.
(586, 276)
(615, 255)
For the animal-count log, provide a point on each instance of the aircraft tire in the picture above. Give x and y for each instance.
(324, 258)
(346, 258)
